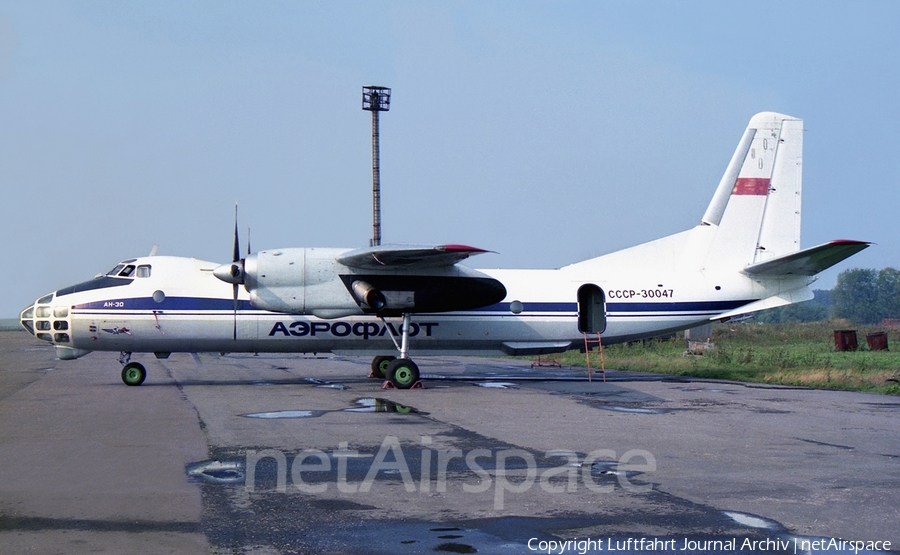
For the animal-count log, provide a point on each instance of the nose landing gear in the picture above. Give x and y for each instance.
(133, 373)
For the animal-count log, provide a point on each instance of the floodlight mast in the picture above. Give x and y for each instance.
(376, 99)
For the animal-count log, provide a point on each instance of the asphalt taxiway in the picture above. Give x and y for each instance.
(288, 454)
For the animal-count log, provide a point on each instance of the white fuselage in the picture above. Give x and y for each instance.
(176, 305)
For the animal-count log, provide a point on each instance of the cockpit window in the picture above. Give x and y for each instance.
(143, 271)
(122, 270)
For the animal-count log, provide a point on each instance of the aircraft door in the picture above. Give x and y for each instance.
(591, 309)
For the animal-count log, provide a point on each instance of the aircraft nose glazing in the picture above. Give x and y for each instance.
(47, 321)
(26, 319)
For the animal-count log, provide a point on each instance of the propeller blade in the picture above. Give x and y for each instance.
(237, 241)
(233, 273)
(235, 260)
(234, 289)
(249, 252)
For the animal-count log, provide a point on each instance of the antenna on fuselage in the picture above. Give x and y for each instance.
(376, 99)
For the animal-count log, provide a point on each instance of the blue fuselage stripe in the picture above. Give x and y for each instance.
(169, 303)
(687, 306)
(558, 308)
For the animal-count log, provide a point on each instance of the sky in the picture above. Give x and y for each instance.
(548, 132)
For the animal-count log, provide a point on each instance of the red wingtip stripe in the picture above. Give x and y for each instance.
(848, 242)
(751, 186)
(460, 248)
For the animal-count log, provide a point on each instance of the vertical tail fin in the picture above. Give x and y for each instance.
(756, 207)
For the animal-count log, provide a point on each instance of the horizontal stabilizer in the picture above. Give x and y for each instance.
(807, 262)
(782, 299)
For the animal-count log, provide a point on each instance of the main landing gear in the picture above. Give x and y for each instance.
(133, 373)
(401, 372)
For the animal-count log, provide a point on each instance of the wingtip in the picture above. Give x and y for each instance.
(462, 249)
(850, 242)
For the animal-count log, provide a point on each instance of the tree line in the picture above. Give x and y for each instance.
(861, 295)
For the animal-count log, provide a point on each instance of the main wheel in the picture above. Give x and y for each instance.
(380, 365)
(403, 373)
(134, 373)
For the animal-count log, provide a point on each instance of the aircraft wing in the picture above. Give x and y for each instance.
(807, 262)
(393, 279)
(407, 256)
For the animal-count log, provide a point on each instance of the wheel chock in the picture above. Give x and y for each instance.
(389, 385)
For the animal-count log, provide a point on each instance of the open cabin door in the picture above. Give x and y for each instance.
(591, 309)
(591, 320)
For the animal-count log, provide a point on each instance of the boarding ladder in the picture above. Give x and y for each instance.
(588, 341)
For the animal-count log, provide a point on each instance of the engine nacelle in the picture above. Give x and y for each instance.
(298, 281)
(312, 281)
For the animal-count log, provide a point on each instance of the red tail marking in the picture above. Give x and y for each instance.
(751, 186)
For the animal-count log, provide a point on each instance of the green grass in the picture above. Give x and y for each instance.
(786, 354)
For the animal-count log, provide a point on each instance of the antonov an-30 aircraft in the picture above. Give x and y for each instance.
(743, 257)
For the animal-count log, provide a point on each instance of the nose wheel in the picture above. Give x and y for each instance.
(134, 373)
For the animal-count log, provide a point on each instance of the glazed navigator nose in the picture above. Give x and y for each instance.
(45, 321)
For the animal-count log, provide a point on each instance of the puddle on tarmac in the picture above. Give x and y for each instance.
(287, 414)
(752, 521)
(610, 470)
(496, 385)
(633, 410)
(366, 404)
(217, 472)
(381, 405)
(623, 405)
(605, 468)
